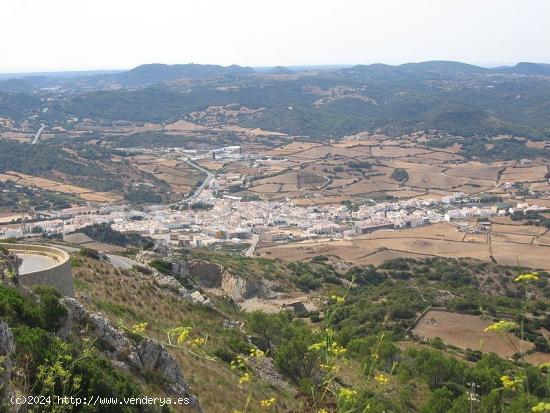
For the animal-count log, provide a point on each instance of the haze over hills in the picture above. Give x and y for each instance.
(157, 72)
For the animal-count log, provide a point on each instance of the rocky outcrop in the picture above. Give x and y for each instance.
(179, 268)
(7, 349)
(9, 266)
(172, 282)
(154, 357)
(214, 276)
(240, 288)
(206, 274)
(141, 356)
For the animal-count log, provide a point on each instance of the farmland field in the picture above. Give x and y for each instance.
(466, 331)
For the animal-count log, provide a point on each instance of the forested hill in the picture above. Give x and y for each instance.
(459, 98)
(155, 73)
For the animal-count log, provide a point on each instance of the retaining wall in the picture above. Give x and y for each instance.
(58, 276)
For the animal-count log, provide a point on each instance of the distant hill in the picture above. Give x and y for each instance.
(18, 105)
(376, 70)
(16, 86)
(155, 73)
(526, 68)
(279, 70)
(435, 68)
(442, 66)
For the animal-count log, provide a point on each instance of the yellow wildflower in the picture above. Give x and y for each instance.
(337, 299)
(381, 379)
(331, 367)
(510, 383)
(257, 353)
(532, 276)
(336, 349)
(139, 328)
(199, 342)
(323, 411)
(245, 378)
(316, 346)
(267, 402)
(541, 407)
(347, 394)
(181, 333)
(502, 325)
(544, 366)
(238, 363)
(77, 380)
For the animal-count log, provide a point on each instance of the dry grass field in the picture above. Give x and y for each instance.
(333, 168)
(177, 174)
(466, 332)
(43, 183)
(524, 173)
(506, 244)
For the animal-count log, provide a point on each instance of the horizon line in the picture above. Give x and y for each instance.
(309, 65)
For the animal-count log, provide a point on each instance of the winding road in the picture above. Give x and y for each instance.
(38, 134)
(209, 175)
(118, 261)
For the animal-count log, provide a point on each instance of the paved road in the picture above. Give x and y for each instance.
(209, 175)
(38, 134)
(117, 261)
(121, 262)
(250, 251)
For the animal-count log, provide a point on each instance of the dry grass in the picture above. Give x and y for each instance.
(128, 298)
(50, 185)
(466, 332)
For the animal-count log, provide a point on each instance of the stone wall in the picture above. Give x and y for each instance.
(59, 276)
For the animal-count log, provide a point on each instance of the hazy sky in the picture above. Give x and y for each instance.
(38, 35)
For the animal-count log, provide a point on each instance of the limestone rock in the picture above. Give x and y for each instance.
(198, 298)
(206, 274)
(9, 267)
(111, 337)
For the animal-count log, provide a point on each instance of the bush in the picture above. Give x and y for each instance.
(53, 312)
(401, 313)
(14, 309)
(400, 175)
(162, 266)
(437, 343)
(90, 253)
(294, 359)
(365, 275)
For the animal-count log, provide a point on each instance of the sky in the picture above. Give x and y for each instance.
(55, 35)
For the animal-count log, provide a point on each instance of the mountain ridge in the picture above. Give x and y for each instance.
(158, 72)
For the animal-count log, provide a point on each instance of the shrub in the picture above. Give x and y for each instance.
(162, 266)
(53, 312)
